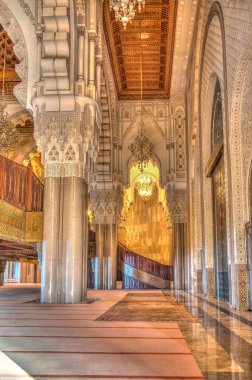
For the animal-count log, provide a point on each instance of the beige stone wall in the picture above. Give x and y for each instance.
(224, 53)
(145, 231)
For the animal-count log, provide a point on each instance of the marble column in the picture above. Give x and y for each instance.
(179, 251)
(85, 241)
(73, 239)
(51, 257)
(106, 256)
(2, 269)
(110, 253)
(64, 246)
(100, 238)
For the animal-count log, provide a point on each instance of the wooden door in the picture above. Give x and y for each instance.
(220, 232)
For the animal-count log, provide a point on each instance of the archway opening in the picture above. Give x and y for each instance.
(145, 233)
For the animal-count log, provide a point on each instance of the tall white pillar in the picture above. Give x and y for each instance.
(110, 252)
(73, 238)
(51, 257)
(100, 237)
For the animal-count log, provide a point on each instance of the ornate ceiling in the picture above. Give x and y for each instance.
(11, 77)
(14, 251)
(151, 34)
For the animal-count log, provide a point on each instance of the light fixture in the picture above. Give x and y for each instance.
(142, 148)
(125, 9)
(145, 187)
(8, 134)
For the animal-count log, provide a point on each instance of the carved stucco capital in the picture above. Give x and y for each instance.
(68, 141)
(106, 204)
(177, 203)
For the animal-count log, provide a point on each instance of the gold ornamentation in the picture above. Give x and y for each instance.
(125, 9)
(141, 150)
(19, 225)
(12, 221)
(8, 135)
(36, 164)
(145, 187)
(33, 226)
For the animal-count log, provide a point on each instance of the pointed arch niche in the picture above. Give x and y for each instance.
(146, 224)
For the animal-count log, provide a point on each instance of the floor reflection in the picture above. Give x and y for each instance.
(221, 339)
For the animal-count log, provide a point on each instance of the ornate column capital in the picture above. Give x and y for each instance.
(177, 204)
(106, 204)
(67, 140)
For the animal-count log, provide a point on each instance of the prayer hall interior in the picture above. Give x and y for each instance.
(126, 189)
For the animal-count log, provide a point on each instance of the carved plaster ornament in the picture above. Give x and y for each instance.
(12, 28)
(36, 164)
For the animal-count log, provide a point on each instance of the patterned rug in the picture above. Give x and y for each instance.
(148, 307)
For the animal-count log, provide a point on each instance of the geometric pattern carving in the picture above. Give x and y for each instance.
(106, 204)
(180, 140)
(10, 78)
(64, 139)
(12, 28)
(152, 34)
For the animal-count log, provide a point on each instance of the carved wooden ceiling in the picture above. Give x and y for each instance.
(151, 34)
(15, 251)
(11, 77)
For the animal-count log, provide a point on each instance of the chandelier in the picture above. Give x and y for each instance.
(8, 134)
(125, 9)
(142, 148)
(145, 187)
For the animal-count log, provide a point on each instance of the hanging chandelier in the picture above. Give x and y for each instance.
(125, 9)
(145, 187)
(8, 134)
(142, 148)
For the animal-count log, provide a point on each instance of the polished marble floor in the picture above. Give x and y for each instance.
(69, 341)
(41, 341)
(221, 338)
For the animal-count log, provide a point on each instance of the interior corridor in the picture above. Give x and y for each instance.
(99, 339)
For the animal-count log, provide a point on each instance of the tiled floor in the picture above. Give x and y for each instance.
(65, 341)
(220, 340)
